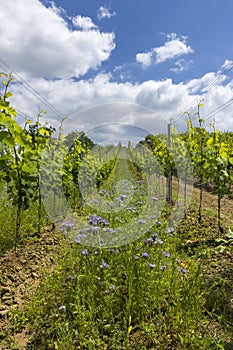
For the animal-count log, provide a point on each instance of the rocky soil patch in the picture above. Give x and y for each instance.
(20, 276)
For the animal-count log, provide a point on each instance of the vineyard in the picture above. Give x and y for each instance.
(97, 254)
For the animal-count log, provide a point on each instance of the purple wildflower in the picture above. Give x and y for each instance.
(67, 225)
(84, 252)
(110, 229)
(182, 270)
(62, 307)
(105, 264)
(96, 220)
(133, 209)
(145, 255)
(166, 254)
(123, 196)
(149, 241)
(152, 266)
(163, 267)
(77, 239)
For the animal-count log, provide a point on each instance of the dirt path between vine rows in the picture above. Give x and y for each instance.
(210, 203)
(21, 274)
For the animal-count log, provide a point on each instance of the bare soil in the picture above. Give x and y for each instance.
(20, 276)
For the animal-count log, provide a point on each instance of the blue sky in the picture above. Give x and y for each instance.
(97, 61)
(142, 25)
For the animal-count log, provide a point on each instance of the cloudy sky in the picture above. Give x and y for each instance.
(113, 62)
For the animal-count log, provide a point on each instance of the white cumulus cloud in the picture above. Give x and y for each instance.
(39, 41)
(181, 65)
(206, 82)
(84, 23)
(100, 100)
(174, 46)
(144, 58)
(105, 12)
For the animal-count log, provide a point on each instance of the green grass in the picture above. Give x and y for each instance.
(8, 222)
(87, 305)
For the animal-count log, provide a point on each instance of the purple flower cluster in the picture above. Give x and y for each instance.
(105, 264)
(107, 291)
(121, 197)
(133, 209)
(166, 254)
(154, 239)
(182, 270)
(149, 241)
(84, 252)
(152, 266)
(145, 255)
(62, 307)
(96, 220)
(66, 226)
(78, 238)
